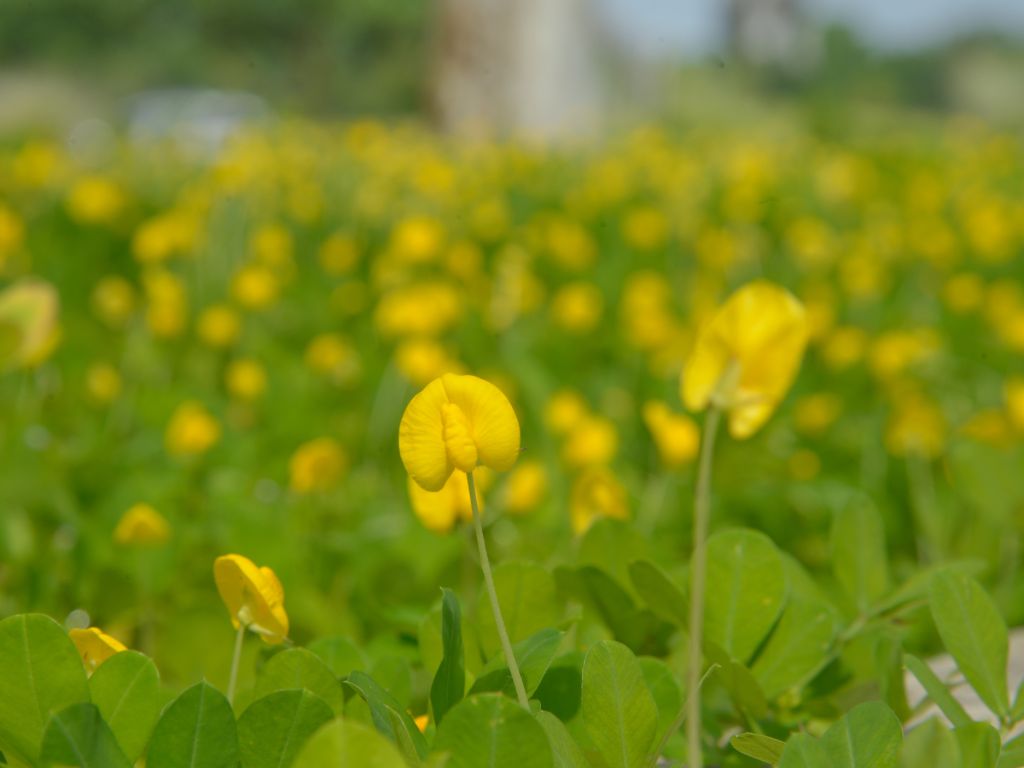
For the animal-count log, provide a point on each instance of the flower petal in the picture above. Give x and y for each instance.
(421, 438)
(495, 428)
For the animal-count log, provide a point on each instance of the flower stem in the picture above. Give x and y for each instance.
(233, 679)
(499, 622)
(698, 565)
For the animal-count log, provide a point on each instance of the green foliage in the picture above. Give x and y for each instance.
(77, 735)
(868, 736)
(126, 689)
(449, 684)
(341, 743)
(533, 655)
(529, 603)
(273, 729)
(491, 731)
(197, 729)
(298, 668)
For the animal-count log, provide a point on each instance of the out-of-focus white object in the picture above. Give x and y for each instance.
(199, 121)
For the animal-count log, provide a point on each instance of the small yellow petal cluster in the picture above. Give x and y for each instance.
(747, 356)
(253, 595)
(677, 436)
(28, 323)
(457, 422)
(95, 199)
(596, 493)
(526, 487)
(192, 430)
(103, 383)
(440, 511)
(113, 300)
(142, 526)
(245, 379)
(317, 466)
(219, 326)
(95, 646)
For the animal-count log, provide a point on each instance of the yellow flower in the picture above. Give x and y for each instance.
(564, 411)
(219, 326)
(645, 228)
(457, 422)
(439, 511)
(103, 383)
(816, 413)
(191, 431)
(317, 465)
(272, 247)
(254, 597)
(255, 287)
(747, 356)
(593, 440)
(916, 426)
(527, 485)
(844, 346)
(964, 292)
(596, 493)
(143, 526)
(11, 232)
(424, 309)
(417, 239)
(990, 426)
(95, 200)
(113, 300)
(245, 379)
(577, 307)
(95, 646)
(167, 309)
(423, 360)
(1013, 394)
(333, 356)
(893, 352)
(28, 323)
(676, 435)
(158, 238)
(339, 254)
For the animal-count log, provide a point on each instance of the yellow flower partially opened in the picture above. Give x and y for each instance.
(95, 646)
(746, 356)
(440, 511)
(253, 595)
(457, 422)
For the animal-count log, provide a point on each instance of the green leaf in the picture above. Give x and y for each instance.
(868, 736)
(858, 554)
(637, 628)
(979, 745)
(560, 691)
(618, 710)
(273, 729)
(937, 691)
(758, 746)
(746, 589)
(564, 749)
(534, 655)
(297, 668)
(78, 736)
(126, 688)
(797, 648)
(340, 655)
(345, 744)
(1011, 756)
(930, 745)
(40, 674)
(739, 681)
(665, 690)
(492, 731)
(389, 718)
(975, 635)
(196, 730)
(529, 603)
(657, 590)
(449, 684)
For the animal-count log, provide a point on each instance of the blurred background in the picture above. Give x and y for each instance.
(542, 68)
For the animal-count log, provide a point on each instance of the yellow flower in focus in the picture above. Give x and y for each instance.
(592, 441)
(677, 436)
(339, 254)
(142, 526)
(816, 413)
(317, 466)
(254, 597)
(95, 200)
(113, 300)
(255, 287)
(192, 430)
(457, 422)
(423, 360)
(103, 383)
(439, 511)
(596, 493)
(916, 427)
(28, 323)
(219, 326)
(577, 307)
(564, 411)
(333, 356)
(747, 356)
(95, 646)
(526, 488)
(245, 379)
(417, 239)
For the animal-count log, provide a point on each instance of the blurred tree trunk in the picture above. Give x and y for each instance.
(525, 67)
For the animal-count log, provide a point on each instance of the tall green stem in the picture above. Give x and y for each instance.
(698, 565)
(492, 593)
(233, 679)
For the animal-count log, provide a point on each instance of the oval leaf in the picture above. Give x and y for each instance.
(126, 688)
(526, 593)
(40, 674)
(492, 731)
(78, 736)
(344, 744)
(197, 730)
(858, 554)
(449, 685)
(297, 668)
(618, 710)
(272, 730)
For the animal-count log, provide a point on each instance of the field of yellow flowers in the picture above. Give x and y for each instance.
(356, 446)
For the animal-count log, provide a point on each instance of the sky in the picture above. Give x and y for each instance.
(694, 26)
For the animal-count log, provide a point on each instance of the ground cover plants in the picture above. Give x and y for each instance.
(352, 446)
